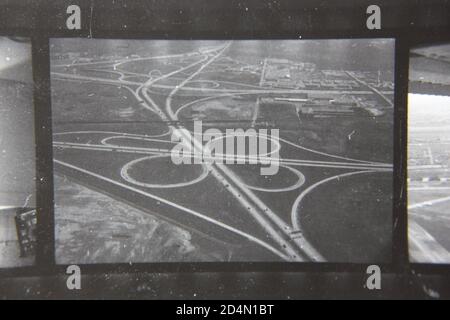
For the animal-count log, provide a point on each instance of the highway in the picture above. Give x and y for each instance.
(283, 236)
(428, 222)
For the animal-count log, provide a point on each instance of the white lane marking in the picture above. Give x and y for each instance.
(109, 147)
(250, 208)
(121, 61)
(364, 162)
(370, 87)
(274, 234)
(201, 90)
(126, 176)
(190, 211)
(298, 146)
(427, 188)
(424, 247)
(295, 212)
(216, 158)
(330, 155)
(151, 82)
(183, 83)
(236, 193)
(428, 203)
(102, 80)
(262, 206)
(356, 164)
(307, 247)
(113, 132)
(167, 75)
(300, 181)
(8, 207)
(263, 73)
(201, 100)
(122, 83)
(230, 175)
(220, 82)
(258, 91)
(337, 166)
(105, 140)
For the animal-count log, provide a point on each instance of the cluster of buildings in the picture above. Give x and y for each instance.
(309, 108)
(85, 56)
(424, 155)
(374, 79)
(282, 73)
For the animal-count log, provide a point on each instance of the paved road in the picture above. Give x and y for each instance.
(263, 226)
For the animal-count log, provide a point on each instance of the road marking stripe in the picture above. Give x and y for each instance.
(213, 159)
(428, 203)
(424, 247)
(170, 203)
(230, 175)
(295, 211)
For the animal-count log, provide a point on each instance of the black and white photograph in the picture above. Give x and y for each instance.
(222, 151)
(17, 154)
(213, 151)
(429, 154)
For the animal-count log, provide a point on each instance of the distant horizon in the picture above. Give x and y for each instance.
(431, 111)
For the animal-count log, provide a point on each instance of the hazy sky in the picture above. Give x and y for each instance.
(15, 60)
(428, 110)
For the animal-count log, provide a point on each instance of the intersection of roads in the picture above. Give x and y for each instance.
(111, 160)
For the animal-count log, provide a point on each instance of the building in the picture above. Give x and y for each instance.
(308, 111)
